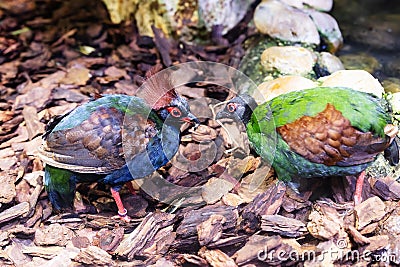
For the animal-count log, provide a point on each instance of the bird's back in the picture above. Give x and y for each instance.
(320, 132)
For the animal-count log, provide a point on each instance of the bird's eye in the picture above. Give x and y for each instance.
(174, 111)
(231, 107)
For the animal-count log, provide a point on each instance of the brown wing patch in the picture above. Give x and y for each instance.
(329, 138)
(137, 132)
(95, 142)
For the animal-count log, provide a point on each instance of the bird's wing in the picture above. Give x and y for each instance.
(95, 144)
(330, 139)
(365, 112)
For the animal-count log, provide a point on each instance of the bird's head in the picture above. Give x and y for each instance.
(240, 107)
(177, 112)
(159, 93)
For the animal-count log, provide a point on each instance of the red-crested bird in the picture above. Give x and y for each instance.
(114, 140)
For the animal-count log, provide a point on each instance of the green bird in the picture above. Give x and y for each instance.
(113, 140)
(318, 132)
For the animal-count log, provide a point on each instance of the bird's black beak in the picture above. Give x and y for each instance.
(192, 119)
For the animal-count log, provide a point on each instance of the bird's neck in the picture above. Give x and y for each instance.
(247, 114)
(247, 105)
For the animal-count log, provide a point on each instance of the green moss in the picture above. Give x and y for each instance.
(251, 62)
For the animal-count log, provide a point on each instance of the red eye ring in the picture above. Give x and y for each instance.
(175, 112)
(231, 107)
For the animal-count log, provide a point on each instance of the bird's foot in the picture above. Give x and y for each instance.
(358, 191)
(122, 212)
(123, 216)
(357, 200)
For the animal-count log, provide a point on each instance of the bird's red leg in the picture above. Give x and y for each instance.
(359, 186)
(130, 187)
(122, 212)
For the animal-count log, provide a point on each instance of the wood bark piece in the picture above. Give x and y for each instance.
(216, 258)
(7, 188)
(269, 202)
(13, 252)
(228, 241)
(215, 189)
(261, 249)
(35, 217)
(210, 230)
(136, 206)
(33, 125)
(337, 251)
(266, 203)
(36, 97)
(108, 240)
(204, 133)
(325, 222)
(283, 226)
(293, 201)
(187, 238)
(370, 211)
(233, 200)
(163, 45)
(63, 258)
(387, 187)
(188, 226)
(80, 241)
(53, 234)
(14, 212)
(21, 231)
(255, 183)
(160, 243)
(377, 242)
(357, 236)
(144, 235)
(370, 228)
(35, 195)
(43, 252)
(77, 75)
(94, 256)
(4, 240)
(194, 259)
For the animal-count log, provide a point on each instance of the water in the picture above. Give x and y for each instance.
(371, 27)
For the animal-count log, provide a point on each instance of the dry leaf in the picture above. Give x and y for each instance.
(215, 189)
(77, 75)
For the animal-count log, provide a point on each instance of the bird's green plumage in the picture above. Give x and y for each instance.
(60, 185)
(363, 110)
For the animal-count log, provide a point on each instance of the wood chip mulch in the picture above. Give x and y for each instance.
(45, 71)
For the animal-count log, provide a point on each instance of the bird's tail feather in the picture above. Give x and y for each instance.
(60, 186)
(392, 152)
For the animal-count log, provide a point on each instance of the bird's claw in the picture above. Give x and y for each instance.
(357, 200)
(122, 216)
(125, 218)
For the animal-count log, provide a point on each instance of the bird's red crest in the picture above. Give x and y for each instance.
(157, 90)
